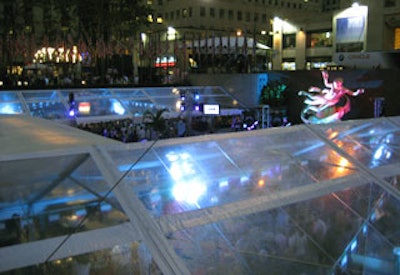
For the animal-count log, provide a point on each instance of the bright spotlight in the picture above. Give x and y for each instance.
(71, 113)
(117, 108)
(189, 192)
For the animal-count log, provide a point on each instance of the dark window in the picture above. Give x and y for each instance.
(221, 14)
(212, 12)
(247, 16)
(289, 41)
(202, 11)
(230, 14)
(239, 16)
(390, 3)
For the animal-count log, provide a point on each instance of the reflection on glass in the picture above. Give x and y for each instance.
(48, 197)
(10, 108)
(48, 110)
(373, 248)
(394, 181)
(303, 238)
(8, 96)
(102, 107)
(138, 107)
(374, 144)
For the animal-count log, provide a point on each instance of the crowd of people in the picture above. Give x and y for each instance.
(128, 130)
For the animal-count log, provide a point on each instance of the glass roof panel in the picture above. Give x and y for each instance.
(396, 119)
(41, 95)
(47, 109)
(102, 107)
(110, 102)
(138, 106)
(134, 93)
(283, 200)
(224, 101)
(372, 248)
(394, 180)
(212, 91)
(242, 167)
(300, 237)
(373, 143)
(9, 108)
(8, 96)
(160, 92)
(85, 93)
(53, 196)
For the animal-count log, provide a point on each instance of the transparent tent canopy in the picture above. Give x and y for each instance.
(111, 103)
(321, 199)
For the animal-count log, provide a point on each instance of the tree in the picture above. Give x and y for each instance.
(110, 26)
(274, 94)
(156, 121)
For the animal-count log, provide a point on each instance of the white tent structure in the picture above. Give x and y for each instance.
(306, 199)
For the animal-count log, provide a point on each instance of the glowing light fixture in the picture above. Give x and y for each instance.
(189, 192)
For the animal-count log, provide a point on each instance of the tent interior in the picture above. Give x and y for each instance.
(305, 199)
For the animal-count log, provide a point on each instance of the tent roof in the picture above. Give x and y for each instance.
(207, 202)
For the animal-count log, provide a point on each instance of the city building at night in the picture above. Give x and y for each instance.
(182, 37)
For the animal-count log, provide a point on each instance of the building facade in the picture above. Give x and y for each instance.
(210, 36)
(301, 34)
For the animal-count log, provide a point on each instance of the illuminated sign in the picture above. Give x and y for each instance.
(211, 109)
(84, 108)
(351, 24)
(350, 29)
(165, 61)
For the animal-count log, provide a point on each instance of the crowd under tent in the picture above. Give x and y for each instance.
(305, 199)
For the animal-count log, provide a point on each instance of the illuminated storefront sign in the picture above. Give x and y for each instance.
(165, 61)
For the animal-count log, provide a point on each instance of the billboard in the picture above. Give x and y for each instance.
(350, 29)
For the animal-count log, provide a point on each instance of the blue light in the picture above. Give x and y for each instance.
(373, 216)
(353, 246)
(183, 96)
(343, 262)
(9, 109)
(117, 108)
(396, 251)
(71, 113)
(379, 152)
(223, 184)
